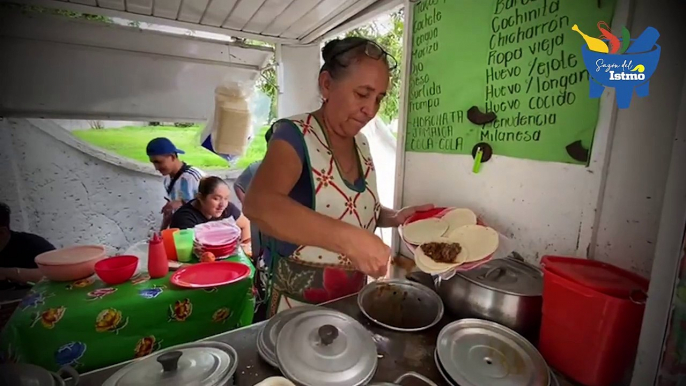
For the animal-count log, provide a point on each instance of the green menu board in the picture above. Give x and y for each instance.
(519, 59)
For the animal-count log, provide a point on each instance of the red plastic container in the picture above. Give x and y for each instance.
(117, 269)
(592, 315)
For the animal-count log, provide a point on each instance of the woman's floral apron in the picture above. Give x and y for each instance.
(313, 275)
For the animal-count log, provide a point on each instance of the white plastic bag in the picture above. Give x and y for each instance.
(228, 131)
(140, 250)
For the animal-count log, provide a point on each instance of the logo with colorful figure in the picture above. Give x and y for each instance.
(624, 64)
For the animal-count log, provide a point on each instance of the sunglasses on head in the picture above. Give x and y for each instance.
(372, 50)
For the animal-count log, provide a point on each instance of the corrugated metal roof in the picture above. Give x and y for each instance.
(277, 21)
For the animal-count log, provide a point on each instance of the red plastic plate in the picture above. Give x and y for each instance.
(435, 212)
(205, 275)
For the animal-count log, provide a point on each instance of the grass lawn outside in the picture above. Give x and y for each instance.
(130, 142)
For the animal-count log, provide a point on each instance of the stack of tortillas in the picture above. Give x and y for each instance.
(457, 225)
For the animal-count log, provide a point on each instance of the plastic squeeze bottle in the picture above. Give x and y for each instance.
(158, 266)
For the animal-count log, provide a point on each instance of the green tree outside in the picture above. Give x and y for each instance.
(390, 37)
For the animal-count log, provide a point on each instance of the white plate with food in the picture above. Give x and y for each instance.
(472, 249)
(437, 222)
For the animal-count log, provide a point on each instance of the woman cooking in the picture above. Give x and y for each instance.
(315, 191)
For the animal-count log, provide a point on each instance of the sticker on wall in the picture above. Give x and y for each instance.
(620, 63)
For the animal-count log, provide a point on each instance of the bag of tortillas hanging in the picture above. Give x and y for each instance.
(229, 129)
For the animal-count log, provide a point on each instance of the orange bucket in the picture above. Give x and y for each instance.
(168, 242)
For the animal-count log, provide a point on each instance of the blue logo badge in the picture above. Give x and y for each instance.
(622, 63)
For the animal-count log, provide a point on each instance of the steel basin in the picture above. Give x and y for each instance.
(400, 305)
(465, 297)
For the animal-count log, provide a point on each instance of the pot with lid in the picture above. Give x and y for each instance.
(324, 347)
(474, 352)
(199, 363)
(268, 335)
(506, 291)
(24, 374)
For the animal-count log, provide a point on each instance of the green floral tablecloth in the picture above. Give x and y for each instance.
(89, 325)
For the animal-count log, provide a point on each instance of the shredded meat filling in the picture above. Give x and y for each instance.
(442, 252)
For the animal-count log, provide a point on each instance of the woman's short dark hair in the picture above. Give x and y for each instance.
(209, 184)
(339, 54)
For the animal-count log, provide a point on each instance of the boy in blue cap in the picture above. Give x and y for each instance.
(180, 179)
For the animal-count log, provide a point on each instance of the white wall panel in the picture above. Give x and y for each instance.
(62, 68)
(298, 80)
(51, 80)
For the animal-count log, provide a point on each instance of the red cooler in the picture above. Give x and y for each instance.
(592, 314)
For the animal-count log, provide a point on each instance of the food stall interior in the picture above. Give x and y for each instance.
(554, 254)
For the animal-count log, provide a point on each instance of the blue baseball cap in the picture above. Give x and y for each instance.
(162, 146)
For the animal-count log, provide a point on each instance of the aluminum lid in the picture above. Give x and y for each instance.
(266, 339)
(201, 363)
(326, 348)
(23, 374)
(476, 352)
(508, 275)
(441, 370)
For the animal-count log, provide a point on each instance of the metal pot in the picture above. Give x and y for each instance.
(326, 347)
(476, 352)
(201, 363)
(400, 305)
(506, 291)
(268, 335)
(400, 379)
(19, 374)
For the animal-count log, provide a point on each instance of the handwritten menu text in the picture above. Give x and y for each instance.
(516, 58)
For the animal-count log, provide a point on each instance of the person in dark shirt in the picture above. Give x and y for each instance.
(18, 250)
(240, 186)
(211, 204)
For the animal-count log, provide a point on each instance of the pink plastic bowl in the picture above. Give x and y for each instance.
(117, 269)
(69, 264)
